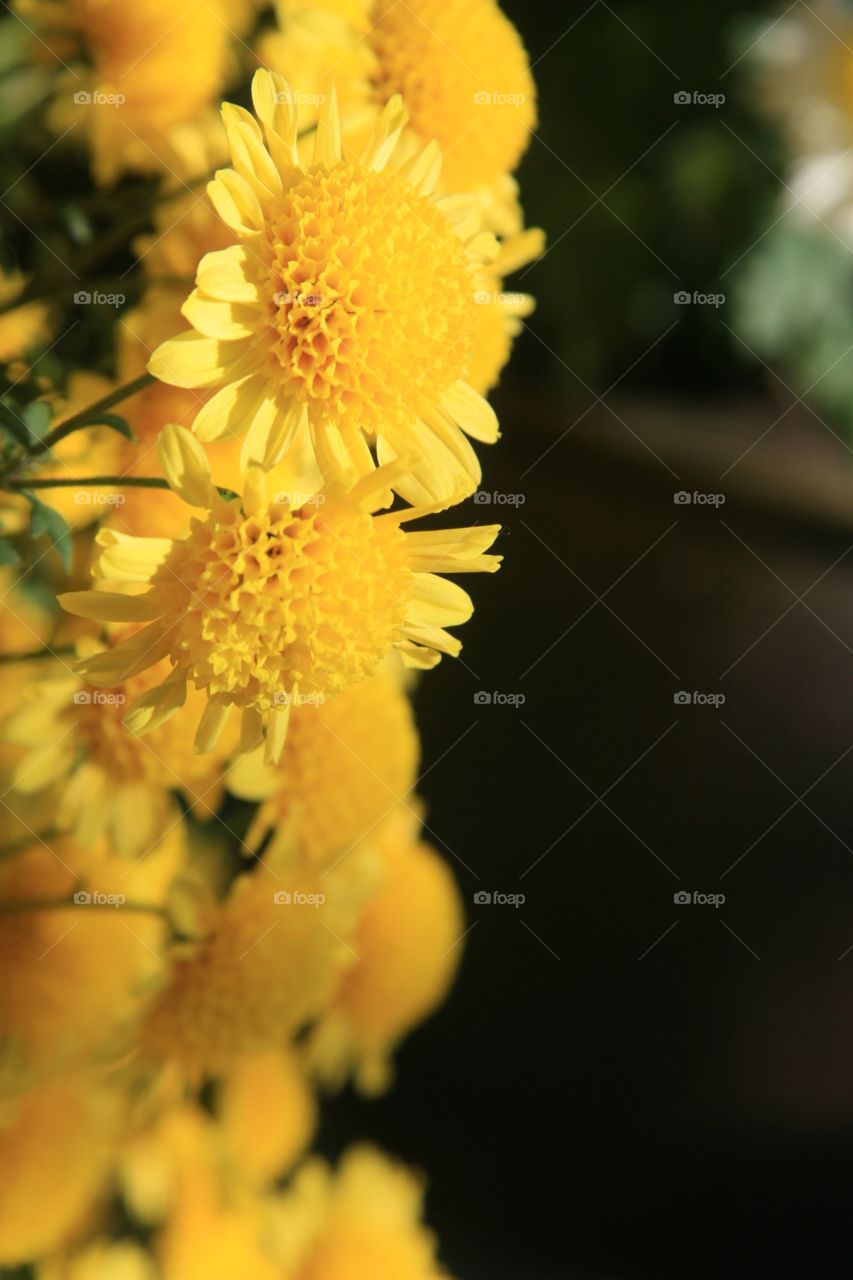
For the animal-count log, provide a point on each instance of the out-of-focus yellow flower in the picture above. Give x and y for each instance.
(262, 604)
(269, 964)
(154, 66)
(346, 762)
(75, 978)
(25, 625)
(56, 1149)
(363, 1221)
(345, 278)
(267, 1115)
(111, 782)
(408, 944)
(101, 1260)
(459, 66)
(21, 328)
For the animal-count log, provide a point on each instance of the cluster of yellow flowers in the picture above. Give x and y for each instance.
(208, 919)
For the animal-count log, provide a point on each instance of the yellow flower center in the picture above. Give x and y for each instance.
(371, 298)
(464, 76)
(259, 606)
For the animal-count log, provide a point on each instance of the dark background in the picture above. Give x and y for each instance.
(621, 1086)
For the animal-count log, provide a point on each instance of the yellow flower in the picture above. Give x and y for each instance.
(101, 1260)
(23, 327)
(267, 1115)
(75, 978)
(364, 1221)
(459, 66)
(153, 66)
(347, 303)
(268, 965)
(110, 782)
(264, 603)
(500, 313)
(56, 1147)
(345, 763)
(408, 945)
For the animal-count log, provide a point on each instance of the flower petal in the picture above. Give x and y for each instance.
(108, 606)
(192, 360)
(226, 321)
(467, 408)
(185, 466)
(222, 274)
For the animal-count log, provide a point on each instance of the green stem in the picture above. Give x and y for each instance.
(85, 416)
(112, 482)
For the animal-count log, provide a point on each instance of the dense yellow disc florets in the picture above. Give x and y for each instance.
(464, 76)
(372, 316)
(309, 599)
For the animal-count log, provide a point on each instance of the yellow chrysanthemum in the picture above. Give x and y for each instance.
(268, 965)
(111, 782)
(459, 66)
(500, 313)
(262, 604)
(408, 945)
(363, 1221)
(152, 67)
(345, 763)
(75, 978)
(267, 1115)
(56, 1147)
(158, 404)
(347, 303)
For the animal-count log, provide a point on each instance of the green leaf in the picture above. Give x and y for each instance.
(14, 423)
(46, 520)
(37, 416)
(8, 554)
(114, 420)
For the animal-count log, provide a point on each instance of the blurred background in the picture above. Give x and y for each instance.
(624, 1085)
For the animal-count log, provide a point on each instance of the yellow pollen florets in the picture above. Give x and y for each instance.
(370, 296)
(311, 598)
